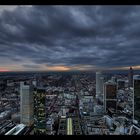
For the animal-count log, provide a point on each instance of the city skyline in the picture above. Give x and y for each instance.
(67, 38)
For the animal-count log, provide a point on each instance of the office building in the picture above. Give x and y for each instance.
(114, 79)
(110, 95)
(39, 111)
(26, 104)
(130, 77)
(34, 83)
(136, 103)
(99, 86)
(121, 84)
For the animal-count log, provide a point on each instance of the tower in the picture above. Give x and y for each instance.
(130, 77)
(110, 95)
(136, 97)
(99, 86)
(26, 104)
(40, 111)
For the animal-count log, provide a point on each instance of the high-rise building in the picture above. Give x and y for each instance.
(114, 79)
(121, 84)
(130, 77)
(110, 95)
(34, 83)
(26, 104)
(99, 86)
(136, 103)
(40, 111)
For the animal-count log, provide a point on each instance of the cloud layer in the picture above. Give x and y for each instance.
(69, 37)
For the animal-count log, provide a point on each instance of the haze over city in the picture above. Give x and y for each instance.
(65, 38)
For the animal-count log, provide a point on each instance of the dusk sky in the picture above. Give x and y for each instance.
(69, 37)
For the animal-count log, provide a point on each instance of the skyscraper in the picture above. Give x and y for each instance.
(39, 111)
(136, 104)
(130, 77)
(121, 84)
(110, 95)
(114, 79)
(99, 86)
(26, 104)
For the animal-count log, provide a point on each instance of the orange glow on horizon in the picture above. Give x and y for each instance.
(65, 68)
(58, 68)
(126, 68)
(136, 67)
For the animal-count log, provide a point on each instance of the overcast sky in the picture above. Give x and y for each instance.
(69, 37)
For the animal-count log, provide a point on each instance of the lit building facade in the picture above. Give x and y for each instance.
(39, 111)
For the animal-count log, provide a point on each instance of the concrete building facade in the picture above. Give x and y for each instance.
(26, 104)
(99, 86)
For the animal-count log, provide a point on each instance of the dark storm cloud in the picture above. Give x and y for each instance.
(31, 66)
(102, 36)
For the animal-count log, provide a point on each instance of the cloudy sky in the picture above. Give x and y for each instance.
(69, 37)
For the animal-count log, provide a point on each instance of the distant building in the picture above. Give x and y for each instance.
(110, 95)
(136, 104)
(39, 111)
(121, 84)
(3, 85)
(99, 86)
(114, 79)
(34, 83)
(26, 104)
(130, 77)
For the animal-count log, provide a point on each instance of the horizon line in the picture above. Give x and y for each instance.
(67, 70)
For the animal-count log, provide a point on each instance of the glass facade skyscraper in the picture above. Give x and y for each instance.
(136, 114)
(110, 95)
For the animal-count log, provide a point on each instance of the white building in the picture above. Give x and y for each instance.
(99, 86)
(26, 104)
